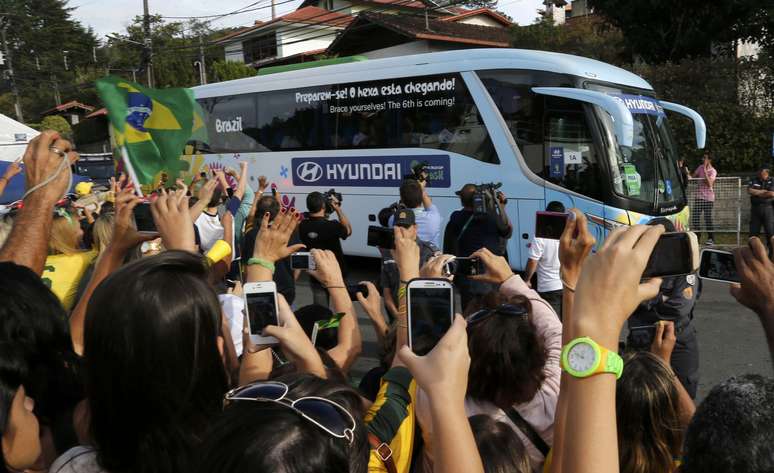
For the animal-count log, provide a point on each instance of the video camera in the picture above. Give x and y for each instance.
(329, 196)
(419, 172)
(485, 198)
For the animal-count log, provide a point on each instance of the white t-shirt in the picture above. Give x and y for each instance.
(77, 460)
(546, 253)
(210, 230)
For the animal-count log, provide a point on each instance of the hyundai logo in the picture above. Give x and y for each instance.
(309, 171)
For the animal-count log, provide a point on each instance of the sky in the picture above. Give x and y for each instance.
(112, 16)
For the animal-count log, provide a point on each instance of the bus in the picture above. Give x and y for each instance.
(548, 126)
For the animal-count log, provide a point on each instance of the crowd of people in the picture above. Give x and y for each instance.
(139, 358)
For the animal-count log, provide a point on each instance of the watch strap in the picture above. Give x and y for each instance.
(612, 363)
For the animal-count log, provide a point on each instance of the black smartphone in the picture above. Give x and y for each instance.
(353, 289)
(430, 312)
(381, 237)
(641, 337)
(144, 219)
(718, 265)
(302, 260)
(675, 254)
(469, 266)
(261, 305)
(550, 225)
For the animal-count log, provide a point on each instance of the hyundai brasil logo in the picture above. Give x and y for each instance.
(309, 171)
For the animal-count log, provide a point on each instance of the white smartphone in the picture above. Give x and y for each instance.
(718, 265)
(302, 260)
(261, 306)
(430, 312)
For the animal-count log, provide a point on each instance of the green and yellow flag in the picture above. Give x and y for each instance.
(152, 125)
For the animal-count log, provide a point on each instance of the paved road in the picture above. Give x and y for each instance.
(731, 341)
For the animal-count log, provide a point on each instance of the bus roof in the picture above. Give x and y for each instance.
(427, 64)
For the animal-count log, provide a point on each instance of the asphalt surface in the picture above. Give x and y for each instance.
(731, 341)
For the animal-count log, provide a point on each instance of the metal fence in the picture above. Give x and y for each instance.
(725, 215)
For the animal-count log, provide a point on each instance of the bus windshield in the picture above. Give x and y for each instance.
(647, 171)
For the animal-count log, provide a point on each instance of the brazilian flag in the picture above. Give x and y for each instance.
(152, 125)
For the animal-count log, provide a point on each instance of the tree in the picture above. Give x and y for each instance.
(58, 124)
(230, 70)
(668, 30)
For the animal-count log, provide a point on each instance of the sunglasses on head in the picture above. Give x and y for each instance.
(324, 413)
(512, 310)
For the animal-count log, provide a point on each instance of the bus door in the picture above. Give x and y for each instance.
(575, 177)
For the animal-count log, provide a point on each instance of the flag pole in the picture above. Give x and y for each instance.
(130, 170)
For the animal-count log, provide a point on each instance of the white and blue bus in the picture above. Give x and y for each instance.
(549, 126)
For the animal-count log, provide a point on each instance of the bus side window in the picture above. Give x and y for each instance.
(570, 153)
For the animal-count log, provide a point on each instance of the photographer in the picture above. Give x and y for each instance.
(317, 231)
(675, 302)
(469, 230)
(413, 195)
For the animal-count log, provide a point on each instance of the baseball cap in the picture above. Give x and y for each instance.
(404, 218)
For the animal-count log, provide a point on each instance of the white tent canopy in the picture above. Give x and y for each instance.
(14, 137)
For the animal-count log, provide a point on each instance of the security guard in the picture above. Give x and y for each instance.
(675, 302)
(761, 191)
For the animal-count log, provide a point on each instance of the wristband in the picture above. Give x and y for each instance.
(261, 262)
(334, 287)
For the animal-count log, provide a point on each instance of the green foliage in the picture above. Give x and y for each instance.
(586, 37)
(668, 30)
(230, 70)
(56, 123)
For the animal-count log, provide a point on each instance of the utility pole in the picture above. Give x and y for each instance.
(57, 96)
(202, 63)
(273, 10)
(14, 89)
(147, 42)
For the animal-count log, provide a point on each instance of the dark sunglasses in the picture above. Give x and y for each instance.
(511, 310)
(324, 413)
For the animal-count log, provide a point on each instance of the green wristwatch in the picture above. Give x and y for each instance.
(583, 357)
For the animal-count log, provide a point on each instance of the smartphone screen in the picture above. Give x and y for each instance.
(143, 218)
(550, 225)
(672, 256)
(469, 266)
(718, 266)
(353, 289)
(641, 337)
(430, 316)
(301, 261)
(261, 310)
(381, 237)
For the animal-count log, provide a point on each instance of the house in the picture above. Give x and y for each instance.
(376, 35)
(72, 111)
(305, 34)
(302, 33)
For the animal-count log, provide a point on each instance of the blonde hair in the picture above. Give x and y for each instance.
(64, 236)
(102, 231)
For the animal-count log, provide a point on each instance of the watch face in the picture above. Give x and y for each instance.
(581, 357)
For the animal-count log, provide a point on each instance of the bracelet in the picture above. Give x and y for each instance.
(334, 287)
(261, 262)
(402, 281)
(401, 292)
(567, 286)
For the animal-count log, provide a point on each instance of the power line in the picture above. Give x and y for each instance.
(221, 15)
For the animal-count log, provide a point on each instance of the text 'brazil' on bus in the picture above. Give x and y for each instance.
(549, 126)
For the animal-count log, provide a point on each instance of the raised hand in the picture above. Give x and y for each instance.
(13, 169)
(327, 270)
(48, 155)
(433, 268)
(756, 271)
(294, 342)
(263, 183)
(664, 342)
(497, 269)
(271, 245)
(125, 234)
(170, 212)
(574, 248)
(406, 252)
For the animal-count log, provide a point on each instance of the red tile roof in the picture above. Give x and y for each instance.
(67, 106)
(480, 11)
(97, 113)
(307, 15)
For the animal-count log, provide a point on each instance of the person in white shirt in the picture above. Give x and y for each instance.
(414, 196)
(544, 259)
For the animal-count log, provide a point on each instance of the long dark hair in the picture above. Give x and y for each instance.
(501, 449)
(648, 415)
(154, 373)
(13, 370)
(34, 321)
(507, 356)
(263, 437)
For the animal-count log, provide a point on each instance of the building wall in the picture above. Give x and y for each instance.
(414, 47)
(292, 40)
(481, 20)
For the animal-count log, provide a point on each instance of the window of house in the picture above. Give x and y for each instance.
(261, 47)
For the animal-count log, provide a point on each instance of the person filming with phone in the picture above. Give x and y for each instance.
(317, 231)
(470, 229)
(675, 303)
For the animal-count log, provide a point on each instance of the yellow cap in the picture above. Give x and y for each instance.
(83, 188)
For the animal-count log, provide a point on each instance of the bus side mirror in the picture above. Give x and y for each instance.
(698, 122)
